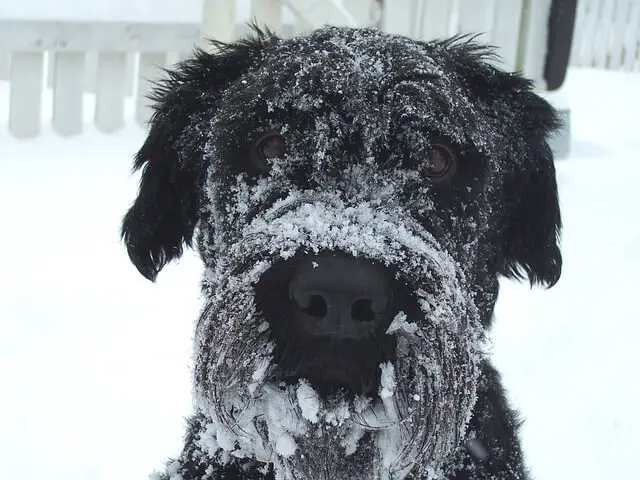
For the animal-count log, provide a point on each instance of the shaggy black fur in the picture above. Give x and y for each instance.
(497, 215)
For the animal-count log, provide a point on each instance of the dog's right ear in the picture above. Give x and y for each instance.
(164, 214)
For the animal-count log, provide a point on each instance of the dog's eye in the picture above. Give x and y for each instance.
(441, 162)
(268, 147)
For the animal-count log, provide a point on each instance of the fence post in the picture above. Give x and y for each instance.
(25, 100)
(506, 30)
(267, 13)
(400, 17)
(477, 17)
(218, 21)
(148, 72)
(360, 10)
(110, 90)
(632, 39)
(5, 60)
(68, 88)
(533, 39)
(436, 20)
(315, 13)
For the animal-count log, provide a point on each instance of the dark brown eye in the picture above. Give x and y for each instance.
(441, 162)
(268, 147)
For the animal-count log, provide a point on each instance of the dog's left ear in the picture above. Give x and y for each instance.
(531, 232)
(530, 243)
(525, 122)
(164, 214)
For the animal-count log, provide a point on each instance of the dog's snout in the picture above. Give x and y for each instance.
(340, 296)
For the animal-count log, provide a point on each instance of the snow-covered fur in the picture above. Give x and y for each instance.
(361, 113)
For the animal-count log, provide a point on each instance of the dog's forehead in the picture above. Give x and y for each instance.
(358, 62)
(369, 53)
(341, 80)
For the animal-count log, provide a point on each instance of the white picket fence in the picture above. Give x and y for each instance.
(117, 61)
(113, 60)
(607, 35)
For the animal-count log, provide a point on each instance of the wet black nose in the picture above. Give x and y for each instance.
(340, 296)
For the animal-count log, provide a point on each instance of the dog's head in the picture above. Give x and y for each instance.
(355, 197)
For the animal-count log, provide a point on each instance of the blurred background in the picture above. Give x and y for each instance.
(95, 361)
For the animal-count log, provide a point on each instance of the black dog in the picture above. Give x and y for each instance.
(355, 197)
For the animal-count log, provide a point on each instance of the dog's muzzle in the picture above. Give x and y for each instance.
(319, 297)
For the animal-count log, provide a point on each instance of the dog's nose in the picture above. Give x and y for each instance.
(340, 296)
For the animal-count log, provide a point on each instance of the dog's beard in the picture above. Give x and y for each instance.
(419, 419)
(426, 396)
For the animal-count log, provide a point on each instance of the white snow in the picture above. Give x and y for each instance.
(286, 445)
(399, 323)
(94, 360)
(387, 381)
(308, 401)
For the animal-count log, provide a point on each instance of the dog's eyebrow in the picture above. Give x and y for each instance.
(392, 80)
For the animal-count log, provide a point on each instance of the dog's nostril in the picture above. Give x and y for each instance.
(362, 311)
(317, 307)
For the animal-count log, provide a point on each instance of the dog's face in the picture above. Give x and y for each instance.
(355, 197)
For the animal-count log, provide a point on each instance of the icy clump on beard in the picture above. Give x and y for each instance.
(426, 396)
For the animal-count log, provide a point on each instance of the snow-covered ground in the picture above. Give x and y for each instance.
(94, 360)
